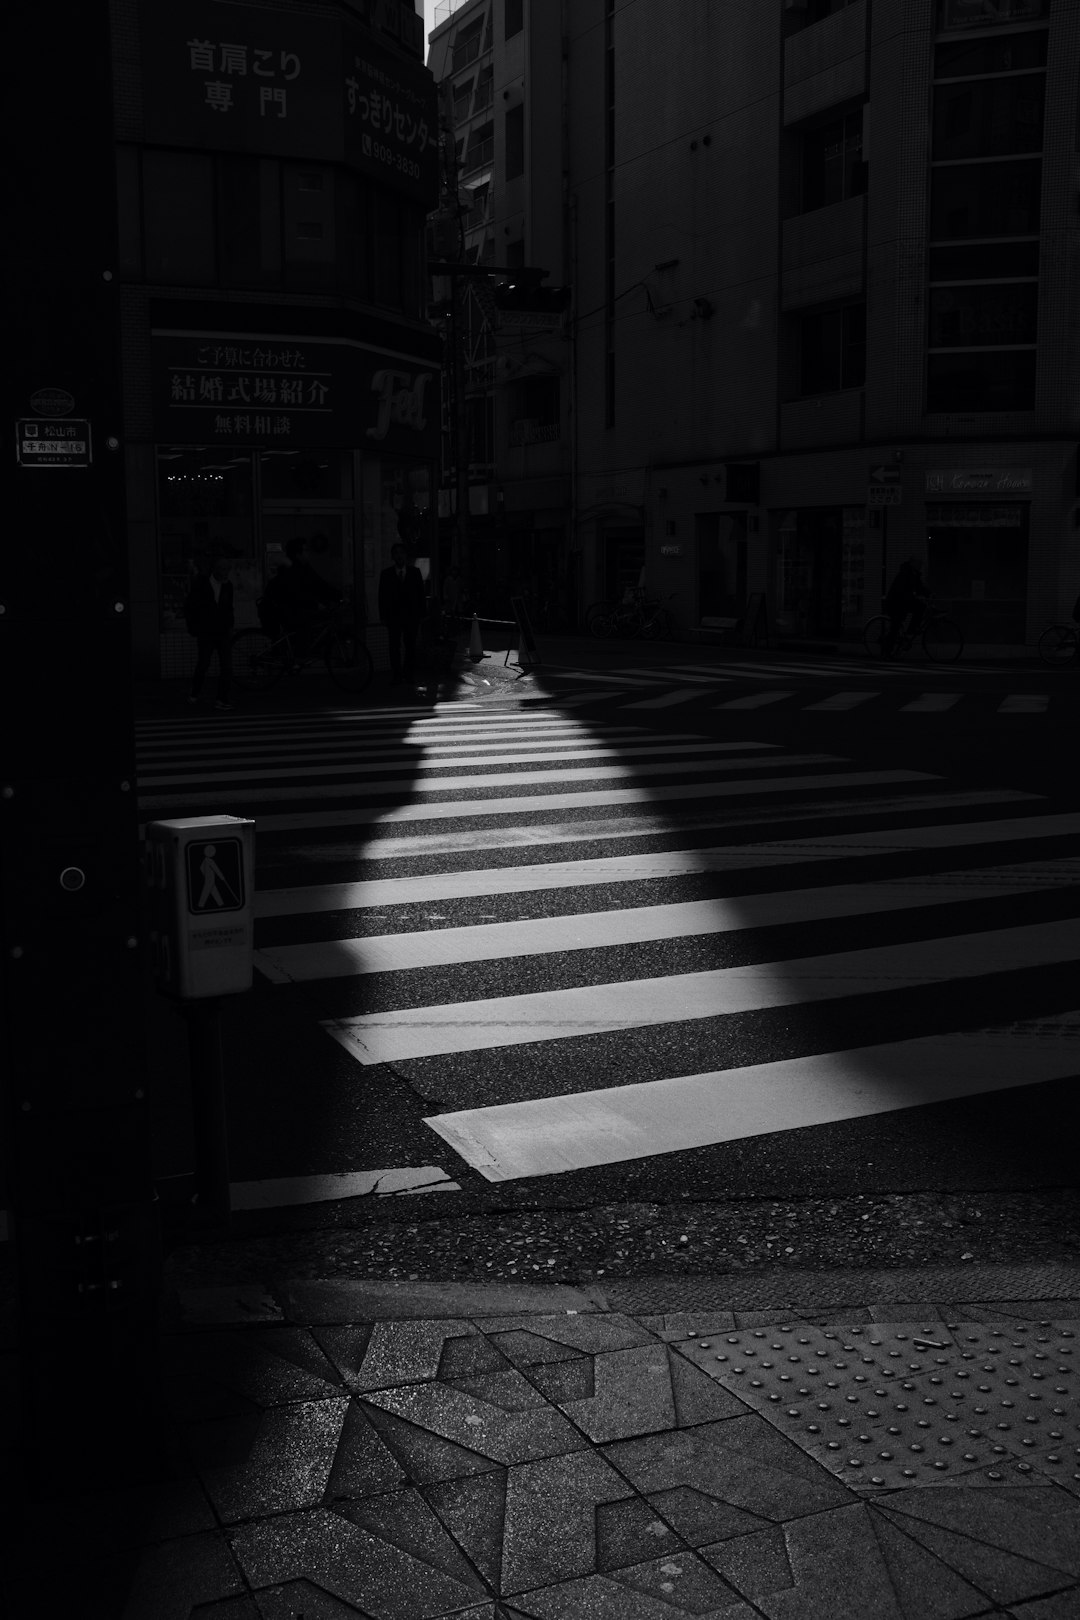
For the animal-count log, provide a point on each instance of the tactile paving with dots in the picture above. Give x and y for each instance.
(901, 1403)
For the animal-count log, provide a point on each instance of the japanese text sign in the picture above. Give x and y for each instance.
(240, 78)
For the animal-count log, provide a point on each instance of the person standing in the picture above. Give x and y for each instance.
(208, 613)
(401, 608)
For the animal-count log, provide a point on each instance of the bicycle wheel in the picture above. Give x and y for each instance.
(348, 661)
(943, 641)
(657, 625)
(877, 637)
(257, 660)
(1057, 645)
(597, 618)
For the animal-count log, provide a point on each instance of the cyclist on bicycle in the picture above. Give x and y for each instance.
(303, 592)
(905, 600)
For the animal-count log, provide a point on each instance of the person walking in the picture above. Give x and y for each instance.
(208, 613)
(402, 605)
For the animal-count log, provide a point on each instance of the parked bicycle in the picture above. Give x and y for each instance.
(261, 658)
(1059, 645)
(940, 637)
(636, 615)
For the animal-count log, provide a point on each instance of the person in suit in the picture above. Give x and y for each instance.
(208, 613)
(402, 606)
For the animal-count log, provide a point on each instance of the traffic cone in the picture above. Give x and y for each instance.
(476, 645)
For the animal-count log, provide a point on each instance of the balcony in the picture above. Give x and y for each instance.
(478, 155)
(823, 254)
(825, 64)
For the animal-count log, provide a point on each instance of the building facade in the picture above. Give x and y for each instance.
(275, 163)
(825, 269)
(499, 65)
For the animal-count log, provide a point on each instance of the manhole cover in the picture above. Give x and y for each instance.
(913, 1403)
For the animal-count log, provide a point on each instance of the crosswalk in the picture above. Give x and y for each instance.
(571, 937)
(786, 684)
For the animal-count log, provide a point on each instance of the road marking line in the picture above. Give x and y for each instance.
(531, 803)
(594, 1009)
(634, 925)
(439, 886)
(438, 757)
(575, 700)
(843, 700)
(754, 700)
(931, 702)
(601, 675)
(1024, 703)
(282, 1191)
(551, 1135)
(666, 700)
(596, 830)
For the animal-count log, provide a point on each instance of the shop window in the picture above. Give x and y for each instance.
(983, 380)
(985, 199)
(513, 18)
(832, 161)
(984, 261)
(306, 475)
(721, 561)
(205, 506)
(993, 313)
(832, 349)
(977, 566)
(1001, 53)
(515, 143)
(178, 218)
(989, 118)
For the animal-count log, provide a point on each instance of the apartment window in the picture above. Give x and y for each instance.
(466, 47)
(307, 193)
(178, 218)
(984, 261)
(985, 199)
(832, 161)
(513, 18)
(462, 100)
(249, 221)
(963, 14)
(817, 10)
(355, 202)
(1001, 53)
(515, 142)
(983, 380)
(832, 349)
(481, 147)
(983, 315)
(989, 117)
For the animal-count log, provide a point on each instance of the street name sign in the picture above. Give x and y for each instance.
(48, 442)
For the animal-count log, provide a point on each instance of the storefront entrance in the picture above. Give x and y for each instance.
(977, 567)
(809, 571)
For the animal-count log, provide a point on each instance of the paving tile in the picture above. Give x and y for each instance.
(833, 1567)
(925, 1312)
(629, 1531)
(1005, 1575)
(310, 1302)
(686, 1324)
(590, 1333)
(404, 1520)
(266, 1368)
(470, 1356)
(170, 1579)
(473, 1511)
(631, 1395)
(787, 1315)
(505, 1437)
(741, 1461)
(350, 1564)
(425, 1457)
(363, 1463)
(509, 1390)
(682, 1579)
(698, 1398)
(550, 1524)
(601, 1597)
(560, 1381)
(525, 1349)
(1041, 1520)
(289, 1464)
(699, 1518)
(236, 1608)
(1062, 1606)
(389, 1353)
(302, 1598)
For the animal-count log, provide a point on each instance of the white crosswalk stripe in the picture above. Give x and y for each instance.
(472, 859)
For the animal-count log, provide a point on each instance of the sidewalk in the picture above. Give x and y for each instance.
(803, 1446)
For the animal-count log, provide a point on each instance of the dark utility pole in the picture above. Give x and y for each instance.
(76, 1151)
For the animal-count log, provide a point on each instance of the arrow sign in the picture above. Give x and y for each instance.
(884, 475)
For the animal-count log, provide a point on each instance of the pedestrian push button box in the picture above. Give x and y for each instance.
(200, 880)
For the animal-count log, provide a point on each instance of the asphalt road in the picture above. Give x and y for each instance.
(716, 962)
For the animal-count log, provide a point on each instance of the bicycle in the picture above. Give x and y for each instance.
(262, 657)
(940, 637)
(634, 616)
(1059, 645)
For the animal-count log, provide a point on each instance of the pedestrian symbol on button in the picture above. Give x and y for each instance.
(215, 872)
